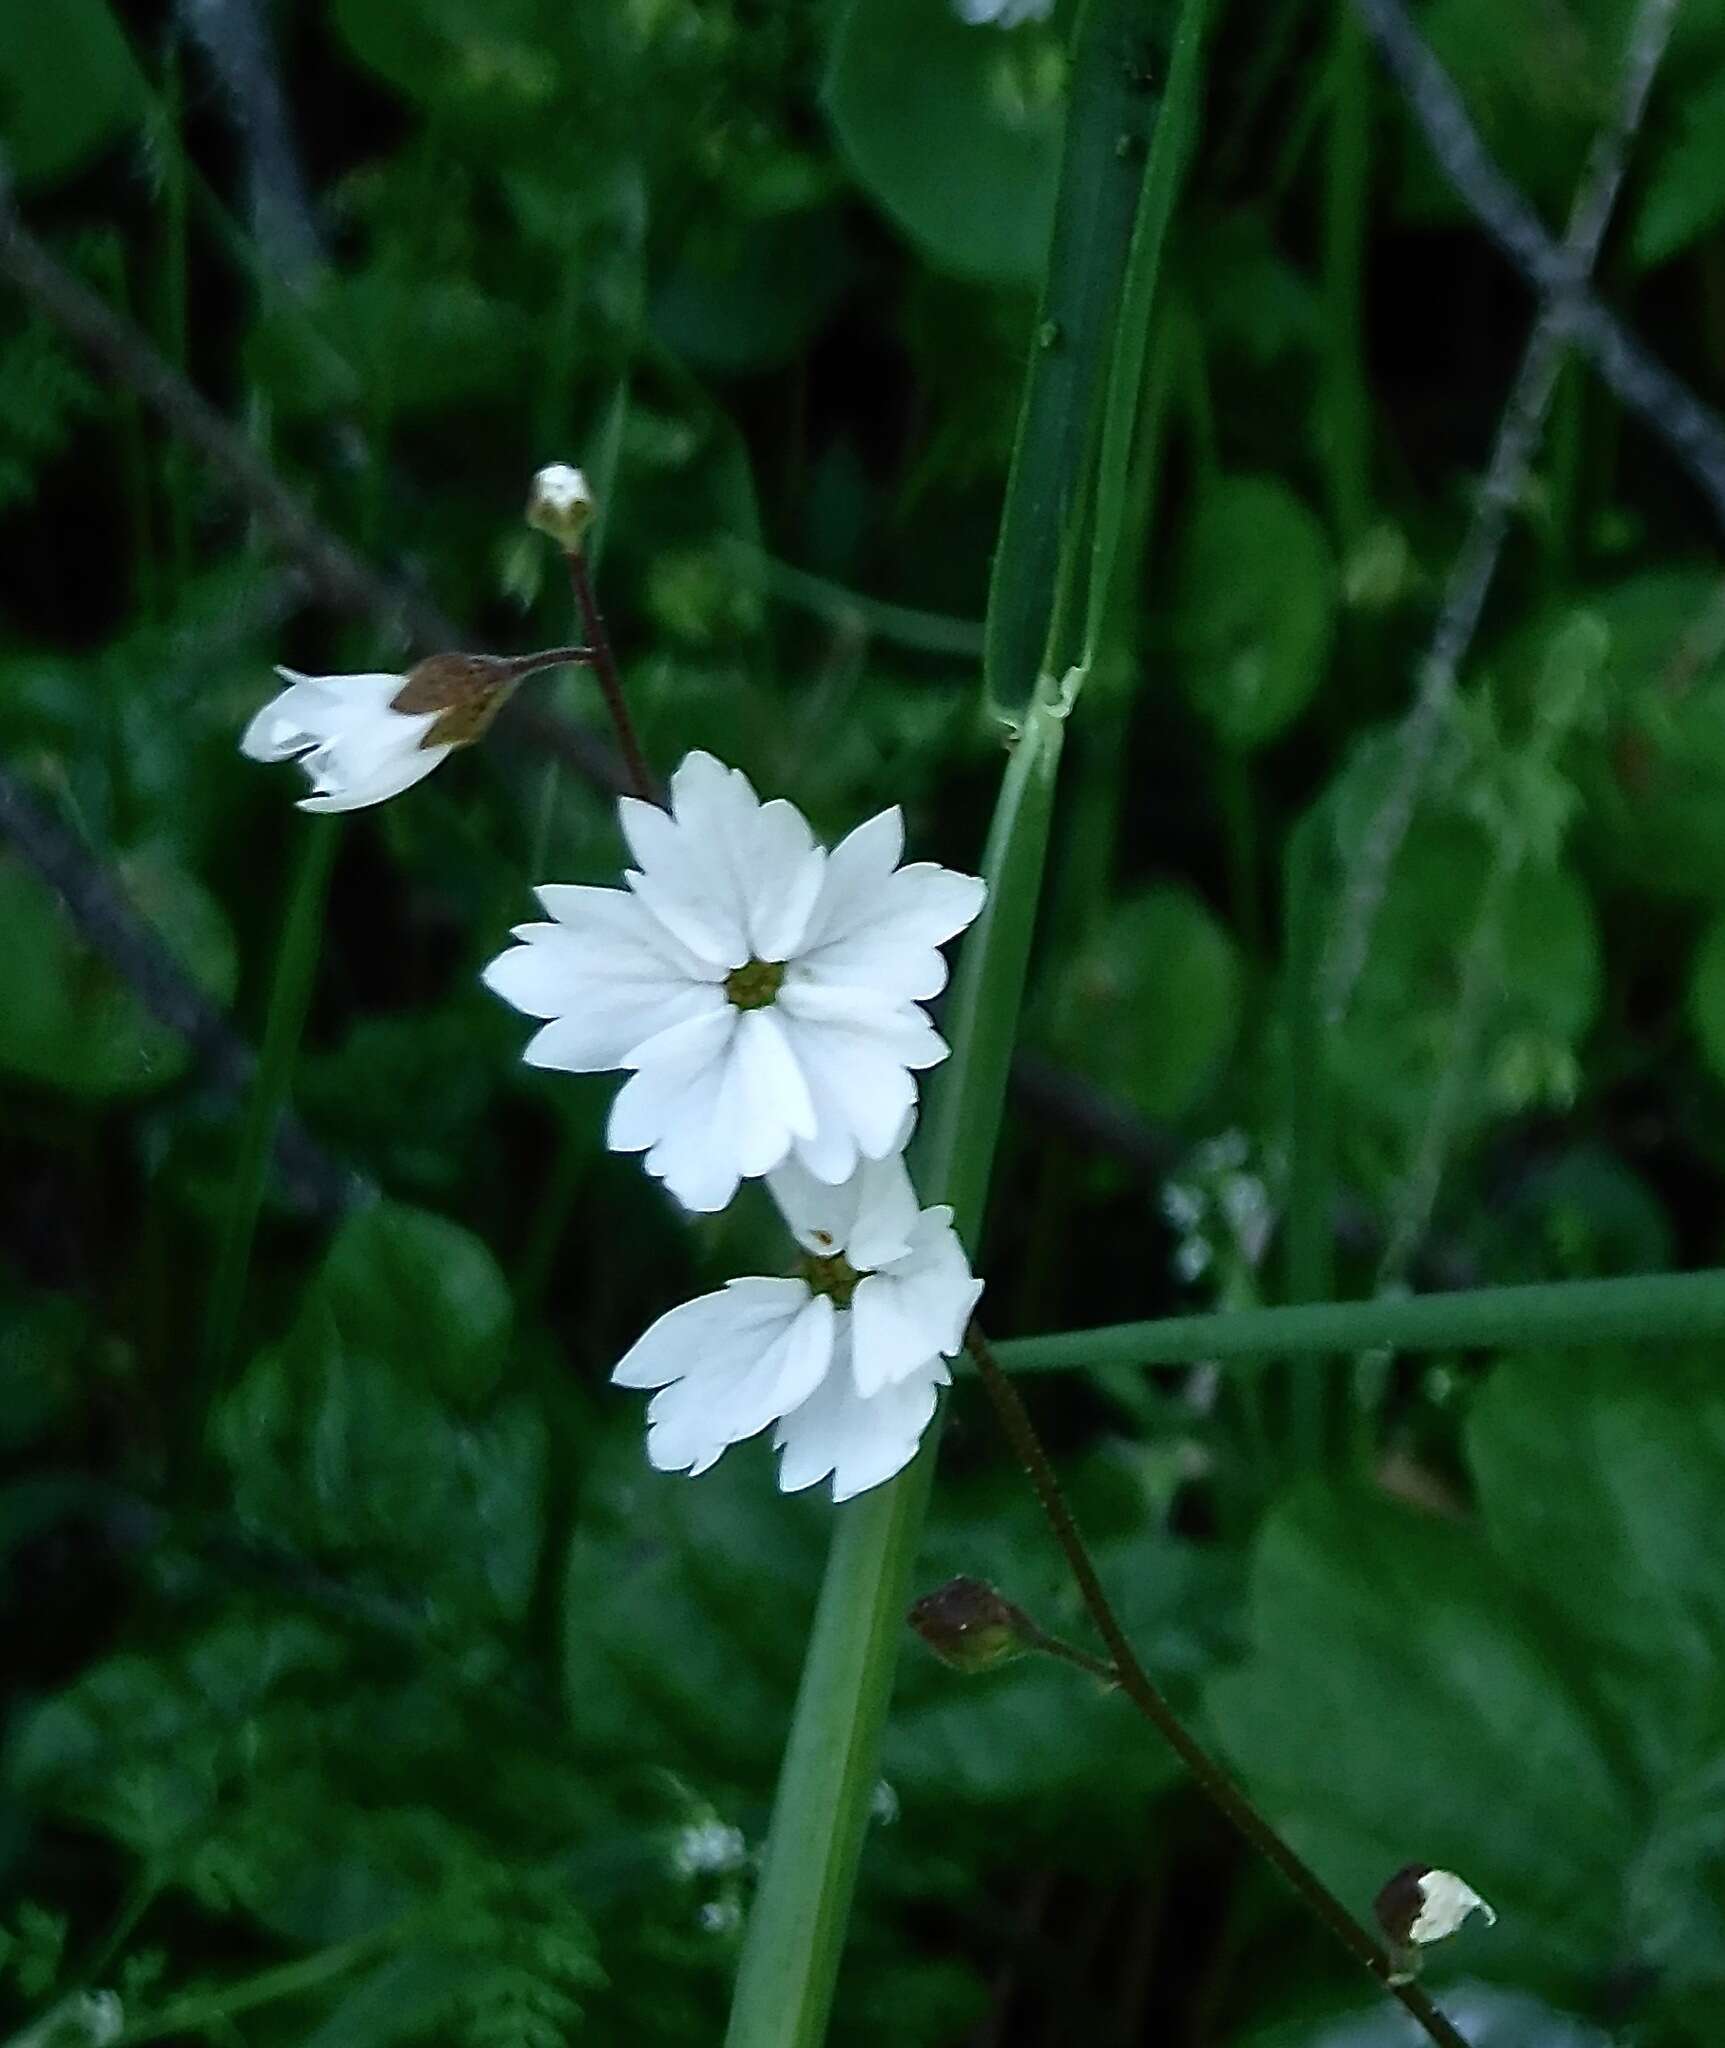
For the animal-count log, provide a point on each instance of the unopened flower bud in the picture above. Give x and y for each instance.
(1420, 1905)
(561, 505)
(971, 1627)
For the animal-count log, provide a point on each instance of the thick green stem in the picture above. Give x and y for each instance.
(1049, 530)
(796, 1928)
(1653, 1308)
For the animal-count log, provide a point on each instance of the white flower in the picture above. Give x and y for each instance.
(1445, 1902)
(763, 992)
(846, 1358)
(1002, 13)
(346, 735)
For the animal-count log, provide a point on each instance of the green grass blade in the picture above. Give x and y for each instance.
(1651, 1308)
(796, 1928)
(1108, 127)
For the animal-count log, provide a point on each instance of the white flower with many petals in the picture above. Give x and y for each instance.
(845, 1358)
(348, 737)
(763, 993)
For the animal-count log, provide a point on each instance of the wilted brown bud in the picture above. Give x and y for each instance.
(971, 1627)
(468, 690)
(561, 505)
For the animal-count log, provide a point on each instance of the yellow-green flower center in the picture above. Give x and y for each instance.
(833, 1276)
(755, 984)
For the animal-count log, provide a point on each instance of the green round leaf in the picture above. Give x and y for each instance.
(1150, 1006)
(69, 1021)
(415, 1291)
(953, 130)
(68, 85)
(1256, 607)
(1685, 192)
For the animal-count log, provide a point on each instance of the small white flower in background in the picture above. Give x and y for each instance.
(708, 1848)
(763, 992)
(1420, 1905)
(846, 1358)
(1002, 13)
(348, 736)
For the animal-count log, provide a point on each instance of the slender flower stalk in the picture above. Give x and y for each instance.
(641, 779)
(1144, 1693)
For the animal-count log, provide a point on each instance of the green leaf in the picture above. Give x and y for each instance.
(1406, 1702)
(953, 130)
(1256, 607)
(419, 1293)
(68, 86)
(1534, 1701)
(69, 1021)
(1151, 1005)
(1684, 198)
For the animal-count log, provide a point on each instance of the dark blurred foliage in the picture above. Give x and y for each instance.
(419, 1711)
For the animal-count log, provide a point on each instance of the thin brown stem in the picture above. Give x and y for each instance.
(604, 666)
(1148, 1698)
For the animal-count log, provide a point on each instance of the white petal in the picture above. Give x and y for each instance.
(686, 876)
(608, 994)
(919, 1304)
(893, 1029)
(665, 1066)
(777, 1095)
(692, 1334)
(604, 1031)
(1445, 1902)
(755, 1364)
(861, 1098)
(381, 783)
(312, 709)
(856, 873)
(883, 930)
(861, 1443)
(869, 1216)
(786, 868)
(624, 935)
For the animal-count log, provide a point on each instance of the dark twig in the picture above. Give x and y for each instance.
(1693, 431)
(1138, 1686)
(143, 960)
(338, 576)
(1518, 437)
(334, 571)
(236, 38)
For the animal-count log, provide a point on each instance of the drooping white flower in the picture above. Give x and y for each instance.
(763, 993)
(364, 738)
(1420, 1905)
(346, 734)
(845, 1358)
(1445, 1902)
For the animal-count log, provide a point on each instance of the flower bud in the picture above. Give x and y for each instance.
(561, 505)
(971, 1627)
(1421, 1905)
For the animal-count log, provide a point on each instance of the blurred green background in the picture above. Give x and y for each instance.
(416, 1709)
